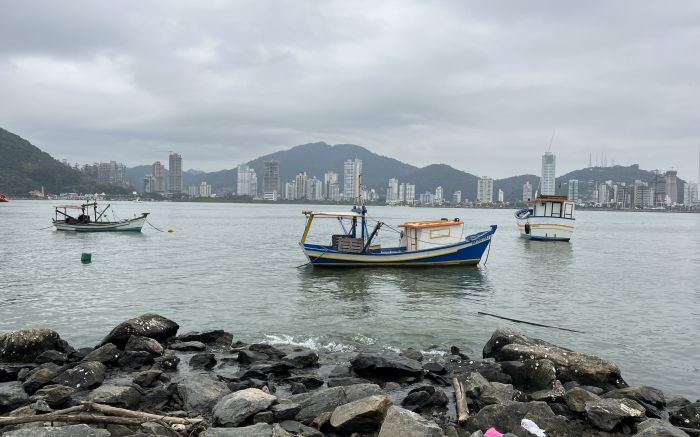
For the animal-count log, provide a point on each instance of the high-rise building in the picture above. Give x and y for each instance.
(175, 169)
(659, 189)
(247, 181)
(643, 195)
(148, 183)
(439, 196)
(548, 180)
(573, 190)
(671, 177)
(290, 190)
(484, 190)
(158, 172)
(410, 198)
(271, 178)
(457, 198)
(402, 194)
(527, 191)
(392, 191)
(112, 173)
(302, 186)
(690, 194)
(315, 189)
(193, 191)
(500, 195)
(204, 190)
(352, 171)
(603, 194)
(330, 178)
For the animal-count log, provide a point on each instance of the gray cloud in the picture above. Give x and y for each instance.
(478, 85)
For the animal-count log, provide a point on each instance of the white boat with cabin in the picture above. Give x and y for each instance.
(547, 218)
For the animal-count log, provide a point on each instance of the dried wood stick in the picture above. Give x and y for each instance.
(460, 401)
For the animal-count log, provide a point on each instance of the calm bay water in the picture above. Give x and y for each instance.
(630, 281)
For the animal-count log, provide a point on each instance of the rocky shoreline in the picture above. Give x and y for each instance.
(144, 379)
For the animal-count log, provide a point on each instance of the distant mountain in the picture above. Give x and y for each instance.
(513, 187)
(428, 178)
(24, 167)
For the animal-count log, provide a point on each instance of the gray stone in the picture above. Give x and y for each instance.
(188, 346)
(307, 381)
(12, 396)
(152, 428)
(168, 362)
(24, 345)
(267, 349)
(264, 417)
(508, 415)
(436, 368)
(404, 423)
(145, 344)
(203, 360)
(386, 366)
(606, 414)
(84, 376)
(285, 410)
(687, 416)
(412, 354)
(55, 395)
(653, 400)
(116, 395)
(658, 428)
(40, 377)
(531, 375)
(52, 356)
(302, 358)
(201, 392)
(298, 428)
(106, 354)
(487, 392)
(147, 378)
(233, 409)
(247, 357)
(146, 325)
(362, 415)
(81, 430)
(426, 396)
(554, 394)
(257, 430)
(134, 360)
(576, 399)
(320, 401)
(348, 380)
(217, 336)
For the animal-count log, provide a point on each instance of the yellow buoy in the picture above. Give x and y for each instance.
(171, 230)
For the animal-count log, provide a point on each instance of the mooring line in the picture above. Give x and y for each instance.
(528, 323)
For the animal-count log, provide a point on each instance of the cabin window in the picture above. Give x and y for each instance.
(569, 210)
(556, 210)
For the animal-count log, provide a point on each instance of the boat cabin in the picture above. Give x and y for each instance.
(552, 206)
(82, 214)
(430, 234)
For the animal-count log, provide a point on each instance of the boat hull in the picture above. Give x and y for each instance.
(129, 225)
(467, 252)
(545, 228)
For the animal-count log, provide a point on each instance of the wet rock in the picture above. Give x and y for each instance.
(203, 360)
(506, 344)
(307, 381)
(651, 399)
(606, 414)
(531, 375)
(302, 358)
(424, 397)
(168, 362)
(412, 354)
(385, 366)
(257, 430)
(40, 377)
(297, 428)
(52, 356)
(508, 415)
(687, 416)
(554, 394)
(134, 360)
(264, 368)
(233, 409)
(116, 395)
(107, 354)
(264, 417)
(247, 357)
(12, 396)
(658, 428)
(349, 380)
(200, 392)
(140, 343)
(436, 368)
(84, 376)
(25, 345)
(297, 387)
(188, 346)
(316, 402)
(155, 399)
(146, 325)
(576, 399)
(285, 410)
(362, 415)
(56, 396)
(81, 430)
(38, 407)
(217, 336)
(147, 378)
(9, 372)
(404, 423)
(267, 349)
(322, 422)
(487, 392)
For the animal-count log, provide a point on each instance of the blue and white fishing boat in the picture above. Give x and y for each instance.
(421, 243)
(82, 222)
(549, 218)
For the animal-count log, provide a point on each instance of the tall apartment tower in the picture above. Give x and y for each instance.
(271, 177)
(247, 181)
(158, 172)
(527, 191)
(392, 191)
(573, 190)
(175, 169)
(672, 185)
(351, 179)
(547, 182)
(484, 190)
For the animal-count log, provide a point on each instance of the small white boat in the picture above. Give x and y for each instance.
(548, 218)
(84, 223)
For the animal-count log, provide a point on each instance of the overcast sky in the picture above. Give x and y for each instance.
(477, 85)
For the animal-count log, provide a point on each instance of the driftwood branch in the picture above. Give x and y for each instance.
(460, 401)
(146, 417)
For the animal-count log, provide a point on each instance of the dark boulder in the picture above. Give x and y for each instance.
(658, 428)
(285, 410)
(200, 392)
(12, 396)
(25, 345)
(267, 349)
(249, 356)
(385, 366)
(80, 430)
(348, 380)
(306, 381)
(260, 369)
(40, 377)
(651, 399)
(139, 343)
(531, 375)
(9, 372)
(319, 401)
(687, 416)
(363, 415)
(115, 395)
(56, 396)
(203, 360)
(401, 422)
(606, 414)
(146, 325)
(436, 368)
(155, 399)
(84, 376)
(302, 358)
(186, 346)
(412, 354)
(135, 360)
(106, 354)
(217, 336)
(148, 378)
(52, 356)
(576, 399)
(424, 397)
(508, 415)
(168, 362)
(233, 409)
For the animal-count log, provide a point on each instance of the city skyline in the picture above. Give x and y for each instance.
(487, 85)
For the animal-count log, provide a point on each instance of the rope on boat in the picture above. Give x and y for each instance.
(488, 250)
(151, 225)
(43, 229)
(314, 260)
(527, 323)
